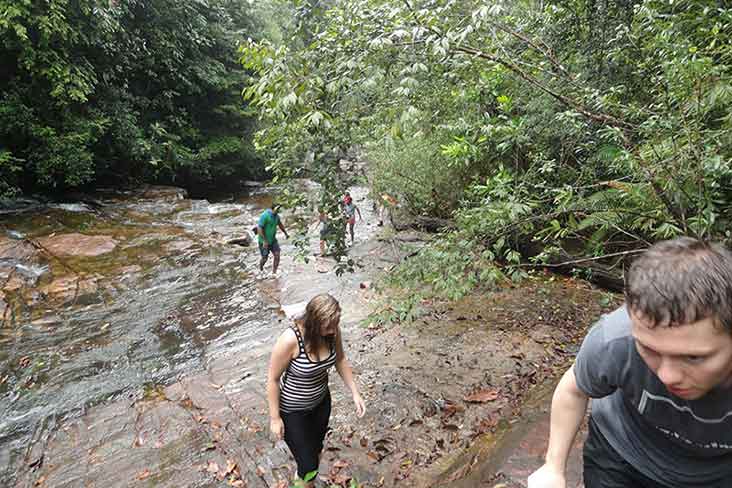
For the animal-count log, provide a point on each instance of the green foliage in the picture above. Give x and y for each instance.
(301, 483)
(589, 127)
(446, 269)
(124, 91)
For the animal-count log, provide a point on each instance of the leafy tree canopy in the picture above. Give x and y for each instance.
(585, 125)
(121, 91)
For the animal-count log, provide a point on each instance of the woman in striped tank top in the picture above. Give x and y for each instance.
(297, 383)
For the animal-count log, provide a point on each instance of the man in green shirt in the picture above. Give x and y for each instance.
(267, 226)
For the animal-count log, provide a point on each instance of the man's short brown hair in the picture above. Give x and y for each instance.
(681, 281)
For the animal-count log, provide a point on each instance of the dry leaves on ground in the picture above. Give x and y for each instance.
(482, 396)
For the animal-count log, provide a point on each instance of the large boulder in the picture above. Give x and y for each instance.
(78, 244)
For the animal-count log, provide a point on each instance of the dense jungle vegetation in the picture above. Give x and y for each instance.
(125, 91)
(546, 130)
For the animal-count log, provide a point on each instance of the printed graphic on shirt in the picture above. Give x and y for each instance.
(667, 413)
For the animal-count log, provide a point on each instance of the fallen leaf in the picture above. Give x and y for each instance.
(374, 456)
(487, 424)
(230, 466)
(237, 483)
(212, 468)
(340, 479)
(341, 463)
(144, 475)
(364, 442)
(260, 471)
(40, 481)
(482, 396)
(451, 408)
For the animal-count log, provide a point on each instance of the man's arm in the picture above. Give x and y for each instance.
(569, 405)
(260, 231)
(282, 228)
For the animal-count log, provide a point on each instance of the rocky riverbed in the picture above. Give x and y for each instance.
(136, 337)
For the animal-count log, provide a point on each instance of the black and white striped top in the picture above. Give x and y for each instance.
(305, 382)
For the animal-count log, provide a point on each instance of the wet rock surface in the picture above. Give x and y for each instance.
(180, 396)
(76, 244)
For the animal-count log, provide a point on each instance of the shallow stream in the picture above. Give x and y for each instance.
(81, 328)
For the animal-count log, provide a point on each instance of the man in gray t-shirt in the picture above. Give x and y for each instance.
(659, 371)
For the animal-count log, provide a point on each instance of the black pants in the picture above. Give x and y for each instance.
(304, 435)
(604, 468)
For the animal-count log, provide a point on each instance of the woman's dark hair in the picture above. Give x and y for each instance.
(681, 281)
(320, 309)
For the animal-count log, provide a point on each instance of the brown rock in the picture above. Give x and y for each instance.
(15, 249)
(153, 192)
(131, 269)
(179, 245)
(13, 282)
(78, 244)
(65, 287)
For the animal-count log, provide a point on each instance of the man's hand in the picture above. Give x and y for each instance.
(547, 477)
(265, 245)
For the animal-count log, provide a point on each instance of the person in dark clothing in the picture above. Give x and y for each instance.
(659, 372)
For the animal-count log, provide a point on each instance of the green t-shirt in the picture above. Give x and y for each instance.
(268, 221)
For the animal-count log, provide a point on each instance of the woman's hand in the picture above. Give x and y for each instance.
(360, 404)
(277, 427)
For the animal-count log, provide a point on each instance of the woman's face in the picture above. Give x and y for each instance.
(328, 328)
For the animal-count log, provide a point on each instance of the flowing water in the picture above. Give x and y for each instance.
(169, 296)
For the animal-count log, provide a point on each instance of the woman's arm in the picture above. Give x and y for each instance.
(344, 369)
(284, 351)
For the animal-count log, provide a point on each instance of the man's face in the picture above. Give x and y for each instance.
(689, 359)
